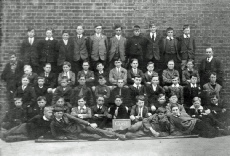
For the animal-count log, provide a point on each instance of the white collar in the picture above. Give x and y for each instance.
(193, 85)
(151, 34)
(210, 59)
(40, 86)
(200, 108)
(101, 72)
(80, 36)
(177, 85)
(98, 35)
(150, 73)
(134, 85)
(84, 107)
(98, 106)
(186, 36)
(45, 118)
(169, 38)
(51, 38)
(118, 36)
(134, 69)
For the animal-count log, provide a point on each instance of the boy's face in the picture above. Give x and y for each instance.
(175, 81)
(118, 31)
(41, 103)
(31, 33)
(100, 67)
(155, 80)
(150, 67)
(175, 111)
(48, 114)
(161, 115)
(134, 64)
(153, 29)
(100, 100)
(118, 101)
(162, 100)
(214, 100)
(81, 81)
(66, 68)
(25, 81)
(49, 33)
(80, 30)
(13, 58)
(209, 52)
(98, 29)
(120, 83)
(193, 80)
(170, 33)
(41, 82)
(18, 103)
(137, 32)
(186, 31)
(81, 102)
(85, 66)
(196, 104)
(64, 83)
(213, 78)
(27, 71)
(137, 80)
(173, 99)
(140, 103)
(171, 65)
(190, 65)
(60, 102)
(117, 64)
(65, 36)
(47, 68)
(102, 81)
(58, 115)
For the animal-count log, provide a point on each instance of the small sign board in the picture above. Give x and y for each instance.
(120, 124)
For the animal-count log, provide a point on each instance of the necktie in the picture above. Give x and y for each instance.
(81, 110)
(81, 92)
(153, 37)
(208, 59)
(170, 39)
(79, 36)
(116, 112)
(120, 91)
(135, 71)
(140, 112)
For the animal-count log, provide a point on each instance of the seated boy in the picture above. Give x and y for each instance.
(65, 126)
(102, 89)
(117, 73)
(50, 78)
(134, 71)
(118, 111)
(173, 100)
(80, 91)
(100, 112)
(82, 111)
(62, 104)
(139, 111)
(153, 91)
(89, 75)
(64, 90)
(177, 89)
(149, 73)
(67, 73)
(39, 88)
(15, 116)
(169, 73)
(196, 110)
(100, 72)
(137, 89)
(39, 108)
(161, 101)
(156, 125)
(190, 91)
(33, 77)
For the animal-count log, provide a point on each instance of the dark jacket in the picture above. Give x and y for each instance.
(50, 81)
(65, 52)
(121, 114)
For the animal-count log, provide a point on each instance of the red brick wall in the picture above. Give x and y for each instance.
(209, 20)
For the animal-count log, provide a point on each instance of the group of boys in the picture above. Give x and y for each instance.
(89, 81)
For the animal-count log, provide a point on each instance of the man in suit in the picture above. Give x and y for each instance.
(169, 48)
(98, 46)
(208, 65)
(65, 50)
(117, 73)
(80, 49)
(117, 47)
(134, 71)
(153, 47)
(29, 50)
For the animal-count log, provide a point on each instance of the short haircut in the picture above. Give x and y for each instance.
(174, 105)
(134, 59)
(169, 29)
(213, 73)
(97, 25)
(175, 76)
(48, 109)
(193, 75)
(170, 61)
(50, 29)
(27, 66)
(60, 97)
(12, 54)
(118, 96)
(151, 24)
(30, 28)
(213, 95)
(47, 64)
(118, 59)
(140, 97)
(117, 26)
(99, 63)
(85, 61)
(155, 75)
(173, 94)
(17, 99)
(65, 31)
(67, 63)
(161, 110)
(80, 26)
(25, 76)
(81, 97)
(82, 75)
(101, 77)
(191, 60)
(150, 63)
(64, 78)
(209, 48)
(100, 95)
(40, 98)
(137, 76)
(57, 109)
(41, 77)
(161, 95)
(186, 26)
(136, 27)
(196, 99)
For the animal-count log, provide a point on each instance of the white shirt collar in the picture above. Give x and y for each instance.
(98, 35)
(45, 118)
(135, 85)
(40, 86)
(169, 38)
(192, 107)
(51, 38)
(193, 85)
(79, 108)
(177, 85)
(186, 36)
(151, 34)
(118, 37)
(210, 59)
(154, 87)
(101, 72)
(80, 36)
(98, 106)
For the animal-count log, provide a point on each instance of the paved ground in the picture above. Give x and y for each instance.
(158, 147)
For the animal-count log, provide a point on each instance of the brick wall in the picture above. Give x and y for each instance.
(209, 20)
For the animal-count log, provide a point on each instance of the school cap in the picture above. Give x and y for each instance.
(160, 110)
(97, 25)
(136, 27)
(117, 26)
(174, 105)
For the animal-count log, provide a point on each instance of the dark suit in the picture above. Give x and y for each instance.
(135, 112)
(186, 76)
(187, 47)
(124, 93)
(40, 91)
(153, 95)
(105, 74)
(89, 76)
(135, 92)
(50, 81)
(131, 74)
(65, 52)
(60, 92)
(122, 112)
(102, 118)
(148, 78)
(189, 94)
